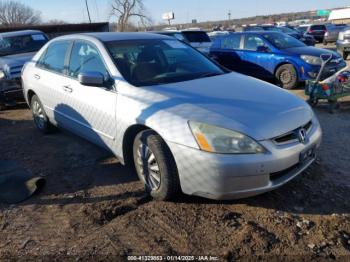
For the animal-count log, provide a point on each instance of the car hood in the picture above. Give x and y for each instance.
(236, 102)
(308, 50)
(15, 60)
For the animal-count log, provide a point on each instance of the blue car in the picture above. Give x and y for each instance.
(273, 56)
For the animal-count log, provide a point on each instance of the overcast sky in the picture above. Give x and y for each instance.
(185, 10)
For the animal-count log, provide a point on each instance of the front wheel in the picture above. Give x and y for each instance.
(345, 55)
(286, 76)
(155, 166)
(40, 118)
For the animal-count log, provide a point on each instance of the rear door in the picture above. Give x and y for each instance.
(49, 76)
(228, 52)
(90, 110)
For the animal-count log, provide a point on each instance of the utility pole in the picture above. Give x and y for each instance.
(87, 8)
(229, 15)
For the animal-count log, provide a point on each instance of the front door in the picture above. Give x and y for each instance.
(256, 57)
(91, 110)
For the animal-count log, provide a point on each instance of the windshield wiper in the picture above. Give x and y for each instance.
(209, 74)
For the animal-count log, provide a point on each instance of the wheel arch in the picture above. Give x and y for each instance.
(287, 62)
(30, 95)
(128, 141)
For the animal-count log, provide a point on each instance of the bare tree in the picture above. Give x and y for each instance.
(127, 11)
(16, 13)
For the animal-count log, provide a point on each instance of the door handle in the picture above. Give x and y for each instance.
(36, 76)
(68, 89)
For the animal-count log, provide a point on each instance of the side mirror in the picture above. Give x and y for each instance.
(263, 49)
(91, 79)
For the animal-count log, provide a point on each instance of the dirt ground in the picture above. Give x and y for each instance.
(93, 208)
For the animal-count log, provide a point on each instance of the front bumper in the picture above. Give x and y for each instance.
(218, 176)
(343, 46)
(10, 90)
(310, 72)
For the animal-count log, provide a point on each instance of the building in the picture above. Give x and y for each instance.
(340, 16)
(61, 29)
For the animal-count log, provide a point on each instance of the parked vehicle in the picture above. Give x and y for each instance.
(196, 38)
(317, 31)
(332, 33)
(343, 43)
(213, 35)
(307, 39)
(184, 122)
(272, 56)
(16, 48)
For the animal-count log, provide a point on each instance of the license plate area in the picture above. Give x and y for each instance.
(307, 155)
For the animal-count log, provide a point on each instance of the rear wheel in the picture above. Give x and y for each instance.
(41, 120)
(286, 76)
(155, 166)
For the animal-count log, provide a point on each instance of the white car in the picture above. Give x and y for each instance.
(182, 121)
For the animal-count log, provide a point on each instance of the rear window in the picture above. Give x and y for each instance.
(231, 42)
(196, 37)
(318, 27)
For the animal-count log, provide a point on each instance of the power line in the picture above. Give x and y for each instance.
(87, 8)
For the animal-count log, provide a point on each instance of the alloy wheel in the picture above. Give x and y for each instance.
(149, 167)
(38, 115)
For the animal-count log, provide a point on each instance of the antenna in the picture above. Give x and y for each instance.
(87, 8)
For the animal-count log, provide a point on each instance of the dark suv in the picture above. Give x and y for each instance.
(317, 31)
(16, 48)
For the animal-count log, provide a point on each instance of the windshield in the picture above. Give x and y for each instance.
(21, 44)
(302, 29)
(283, 41)
(288, 30)
(196, 36)
(154, 62)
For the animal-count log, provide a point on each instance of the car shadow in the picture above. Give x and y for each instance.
(71, 165)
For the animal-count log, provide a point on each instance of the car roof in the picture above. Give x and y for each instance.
(114, 36)
(21, 32)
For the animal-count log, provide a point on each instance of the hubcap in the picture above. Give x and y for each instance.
(38, 115)
(148, 166)
(286, 77)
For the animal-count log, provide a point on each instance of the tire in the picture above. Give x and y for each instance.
(40, 118)
(313, 102)
(2, 107)
(345, 55)
(151, 153)
(286, 76)
(325, 42)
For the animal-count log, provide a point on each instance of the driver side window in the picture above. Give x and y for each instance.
(253, 42)
(85, 58)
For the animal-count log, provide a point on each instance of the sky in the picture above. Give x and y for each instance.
(74, 11)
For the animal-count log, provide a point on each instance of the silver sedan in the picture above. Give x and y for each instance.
(185, 123)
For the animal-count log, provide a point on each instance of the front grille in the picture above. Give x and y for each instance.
(16, 70)
(292, 136)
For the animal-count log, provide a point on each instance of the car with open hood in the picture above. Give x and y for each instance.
(182, 121)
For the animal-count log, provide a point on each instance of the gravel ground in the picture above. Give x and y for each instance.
(93, 208)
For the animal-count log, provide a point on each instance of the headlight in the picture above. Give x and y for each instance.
(312, 60)
(223, 141)
(2, 75)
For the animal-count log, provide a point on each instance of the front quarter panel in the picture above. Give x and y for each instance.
(141, 106)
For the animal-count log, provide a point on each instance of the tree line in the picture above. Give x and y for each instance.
(129, 14)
